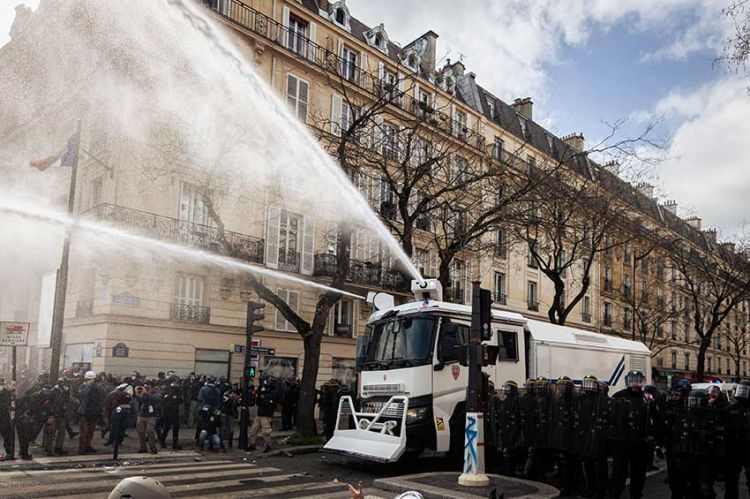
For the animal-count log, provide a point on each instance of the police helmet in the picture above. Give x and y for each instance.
(650, 389)
(139, 487)
(590, 384)
(528, 385)
(684, 384)
(89, 375)
(697, 399)
(635, 379)
(742, 390)
(713, 391)
(509, 386)
(541, 385)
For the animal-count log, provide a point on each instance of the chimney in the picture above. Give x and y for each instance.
(728, 246)
(576, 141)
(524, 107)
(430, 47)
(646, 189)
(694, 222)
(670, 206)
(613, 167)
(710, 235)
(458, 69)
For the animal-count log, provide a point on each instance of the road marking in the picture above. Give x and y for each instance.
(100, 457)
(119, 469)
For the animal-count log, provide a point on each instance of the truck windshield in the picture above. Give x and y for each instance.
(400, 342)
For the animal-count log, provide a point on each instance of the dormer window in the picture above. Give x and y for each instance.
(340, 16)
(378, 38)
(338, 13)
(412, 61)
(490, 107)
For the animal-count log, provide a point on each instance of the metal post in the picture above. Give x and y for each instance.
(13, 358)
(245, 407)
(61, 286)
(473, 473)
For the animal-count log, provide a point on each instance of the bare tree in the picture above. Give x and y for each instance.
(738, 339)
(715, 280)
(737, 46)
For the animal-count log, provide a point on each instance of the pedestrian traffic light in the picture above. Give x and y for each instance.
(485, 313)
(253, 317)
(250, 372)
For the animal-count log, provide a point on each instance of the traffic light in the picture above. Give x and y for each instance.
(485, 313)
(253, 317)
(250, 372)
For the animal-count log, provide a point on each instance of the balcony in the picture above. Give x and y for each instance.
(500, 298)
(195, 235)
(288, 260)
(533, 305)
(372, 274)
(342, 330)
(586, 317)
(327, 59)
(454, 295)
(190, 313)
(84, 308)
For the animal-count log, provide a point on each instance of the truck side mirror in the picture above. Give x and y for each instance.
(362, 343)
(447, 344)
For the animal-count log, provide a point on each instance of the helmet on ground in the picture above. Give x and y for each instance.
(742, 390)
(410, 494)
(139, 487)
(90, 375)
(635, 379)
(590, 384)
(697, 399)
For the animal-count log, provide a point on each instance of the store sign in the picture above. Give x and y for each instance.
(126, 299)
(14, 334)
(120, 350)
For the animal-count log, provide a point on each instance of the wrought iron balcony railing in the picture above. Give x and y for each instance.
(298, 43)
(586, 317)
(201, 236)
(368, 273)
(288, 260)
(454, 294)
(533, 306)
(500, 298)
(190, 313)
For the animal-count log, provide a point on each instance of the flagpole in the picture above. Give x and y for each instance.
(61, 288)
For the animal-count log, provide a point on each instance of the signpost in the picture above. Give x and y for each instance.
(248, 370)
(14, 334)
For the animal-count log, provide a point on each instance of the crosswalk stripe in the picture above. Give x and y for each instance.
(113, 469)
(95, 458)
(110, 481)
(266, 492)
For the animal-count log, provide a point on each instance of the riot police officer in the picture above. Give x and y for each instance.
(629, 430)
(560, 427)
(589, 442)
(55, 403)
(329, 405)
(509, 427)
(673, 413)
(738, 438)
(289, 404)
(7, 432)
(171, 400)
(536, 429)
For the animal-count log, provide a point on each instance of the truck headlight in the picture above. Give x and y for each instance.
(414, 414)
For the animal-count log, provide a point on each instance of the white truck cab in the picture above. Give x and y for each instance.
(412, 389)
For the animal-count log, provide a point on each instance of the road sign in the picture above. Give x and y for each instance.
(14, 334)
(265, 350)
(241, 348)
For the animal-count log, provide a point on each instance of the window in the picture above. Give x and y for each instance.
(289, 229)
(390, 85)
(530, 164)
(344, 373)
(491, 107)
(379, 41)
(687, 332)
(627, 286)
(497, 149)
(710, 367)
(532, 259)
(673, 332)
(188, 299)
(296, 96)
(561, 262)
(212, 362)
(280, 367)
(607, 278)
(341, 16)
(626, 255)
(508, 341)
(586, 309)
(297, 35)
(192, 209)
(501, 247)
(674, 360)
(645, 264)
(457, 279)
(626, 319)
(607, 314)
(532, 296)
(95, 191)
(292, 299)
(390, 140)
(342, 319)
(500, 288)
(524, 127)
(644, 292)
(459, 125)
(459, 167)
(349, 63)
(423, 103)
(347, 116)
(462, 338)
(687, 361)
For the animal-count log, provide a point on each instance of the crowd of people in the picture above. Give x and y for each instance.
(563, 433)
(156, 408)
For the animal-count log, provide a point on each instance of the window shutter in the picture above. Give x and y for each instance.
(381, 75)
(302, 100)
(373, 255)
(363, 66)
(400, 99)
(340, 52)
(432, 270)
(294, 305)
(308, 246)
(281, 324)
(355, 318)
(272, 237)
(336, 104)
(285, 26)
(313, 29)
(467, 286)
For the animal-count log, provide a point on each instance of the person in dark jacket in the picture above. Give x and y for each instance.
(210, 395)
(171, 400)
(674, 410)
(629, 428)
(117, 409)
(738, 441)
(148, 406)
(266, 402)
(229, 407)
(589, 442)
(91, 398)
(209, 429)
(7, 400)
(55, 400)
(510, 440)
(289, 404)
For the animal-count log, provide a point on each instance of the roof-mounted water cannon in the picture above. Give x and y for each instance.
(428, 289)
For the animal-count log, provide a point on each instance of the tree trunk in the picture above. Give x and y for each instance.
(556, 312)
(702, 349)
(444, 275)
(407, 243)
(307, 395)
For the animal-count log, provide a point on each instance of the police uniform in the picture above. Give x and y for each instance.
(738, 440)
(589, 442)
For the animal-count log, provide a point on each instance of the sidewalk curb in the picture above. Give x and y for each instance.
(409, 482)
